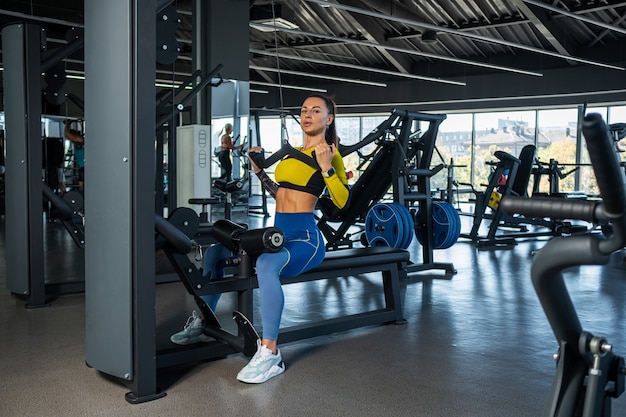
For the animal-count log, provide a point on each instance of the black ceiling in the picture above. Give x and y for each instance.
(433, 43)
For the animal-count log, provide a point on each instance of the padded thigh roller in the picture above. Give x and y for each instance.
(269, 239)
(237, 237)
(225, 231)
(228, 187)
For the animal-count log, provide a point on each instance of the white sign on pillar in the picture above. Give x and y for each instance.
(193, 164)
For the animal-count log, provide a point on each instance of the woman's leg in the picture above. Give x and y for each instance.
(269, 267)
(226, 164)
(293, 259)
(213, 268)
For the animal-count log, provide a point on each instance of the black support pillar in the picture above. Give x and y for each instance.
(21, 49)
(120, 39)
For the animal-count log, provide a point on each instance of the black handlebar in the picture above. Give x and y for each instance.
(555, 208)
(605, 165)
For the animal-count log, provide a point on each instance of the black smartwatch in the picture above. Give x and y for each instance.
(329, 173)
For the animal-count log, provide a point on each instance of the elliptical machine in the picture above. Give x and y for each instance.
(588, 373)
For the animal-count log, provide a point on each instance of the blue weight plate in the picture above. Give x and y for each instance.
(441, 226)
(445, 225)
(401, 224)
(383, 226)
(455, 219)
(408, 224)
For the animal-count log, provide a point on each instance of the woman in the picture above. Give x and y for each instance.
(226, 145)
(296, 192)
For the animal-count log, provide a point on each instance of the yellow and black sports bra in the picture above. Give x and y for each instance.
(295, 174)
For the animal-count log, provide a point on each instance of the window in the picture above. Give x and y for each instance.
(556, 151)
(499, 131)
(618, 115)
(467, 141)
(349, 133)
(454, 143)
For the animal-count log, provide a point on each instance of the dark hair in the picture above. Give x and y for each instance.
(331, 130)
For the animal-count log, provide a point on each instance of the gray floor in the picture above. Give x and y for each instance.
(477, 344)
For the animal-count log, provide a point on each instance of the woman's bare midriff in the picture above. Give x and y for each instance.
(294, 201)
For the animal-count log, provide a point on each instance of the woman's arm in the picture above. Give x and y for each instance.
(267, 183)
(337, 184)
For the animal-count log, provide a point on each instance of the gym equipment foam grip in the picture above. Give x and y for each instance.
(255, 241)
(555, 208)
(605, 165)
(269, 239)
(224, 231)
(172, 235)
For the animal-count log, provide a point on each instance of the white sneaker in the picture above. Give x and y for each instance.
(193, 332)
(263, 366)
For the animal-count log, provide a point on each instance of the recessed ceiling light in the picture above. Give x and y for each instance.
(268, 25)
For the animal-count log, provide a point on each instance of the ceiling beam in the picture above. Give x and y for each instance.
(494, 24)
(368, 29)
(542, 25)
(576, 16)
(357, 67)
(315, 75)
(407, 51)
(457, 32)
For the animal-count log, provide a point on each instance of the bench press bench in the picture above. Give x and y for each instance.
(388, 262)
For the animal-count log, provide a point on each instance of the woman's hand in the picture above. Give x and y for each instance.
(255, 149)
(324, 154)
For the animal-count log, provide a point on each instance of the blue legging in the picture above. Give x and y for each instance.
(303, 250)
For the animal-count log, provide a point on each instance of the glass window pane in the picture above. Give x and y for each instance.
(369, 123)
(588, 184)
(500, 131)
(556, 151)
(349, 133)
(352, 161)
(294, 132)
(454, 143)
(617, 114)
(348, 130)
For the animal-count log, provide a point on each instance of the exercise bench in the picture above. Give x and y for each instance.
(337, 264)
(389, 262)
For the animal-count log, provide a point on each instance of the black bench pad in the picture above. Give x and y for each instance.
(205, 201)
(344, 262)
(346, 258)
